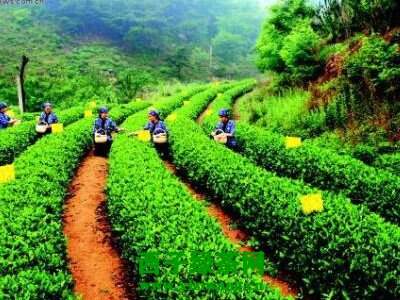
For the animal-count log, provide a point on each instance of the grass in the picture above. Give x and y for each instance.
(286, 113)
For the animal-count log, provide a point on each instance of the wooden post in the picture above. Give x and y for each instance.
(20, 84)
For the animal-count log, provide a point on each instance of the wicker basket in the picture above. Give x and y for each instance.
(41, 128)
(100, 138)
(221, 138)
(160, 138)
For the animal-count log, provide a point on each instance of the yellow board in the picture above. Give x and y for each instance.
(172, 117)
(208, 112)
(186, 103)
(92, 104)
(7, 173)
(220, 94)
(88, 114)
(10, 113)
(57, 128)
(139, 99)
(144, 135)
(292, 142)
(312, 203)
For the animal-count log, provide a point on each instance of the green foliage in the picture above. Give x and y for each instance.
(279, 23)
(288, 43)
(285, 113)
(373, 72)
(320, 167)
(328, 51)
(33, 252)
(129, 83)
(162, 30)
(299, 52)
(15, 140)
(337, 252)
(390, 162)
(342, 18)
(182, 217)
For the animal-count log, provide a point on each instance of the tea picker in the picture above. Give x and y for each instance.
(5, 120)
(159, 133)
(224, 132)
(102, 133)
(46, 119)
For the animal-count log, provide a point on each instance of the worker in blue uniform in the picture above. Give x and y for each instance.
(48, 117)
(228, 127)
(156, 126)
(5, 121)
(105, 126)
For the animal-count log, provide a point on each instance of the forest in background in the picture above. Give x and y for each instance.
(335, 66)
(112, 50)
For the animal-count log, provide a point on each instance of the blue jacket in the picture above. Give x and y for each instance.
(48, 118)
(106, 126)
(229, 128)
(155, 127)
(4, 120)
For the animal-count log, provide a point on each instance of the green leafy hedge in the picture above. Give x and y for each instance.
(152, 211)
(33, 254)
(14, 140)
(377, 189)
(343, 252)
(389, 162)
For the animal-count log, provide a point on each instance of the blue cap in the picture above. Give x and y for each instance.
(154, 113)
(47, 104)
(224, 113)
(103, 110)
(3, 105)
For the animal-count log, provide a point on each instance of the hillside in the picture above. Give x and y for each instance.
(196, 152)
(346, 56)
(114, 46)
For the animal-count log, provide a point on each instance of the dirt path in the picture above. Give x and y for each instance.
(235, 110)
(97, 269)
(236, 236)
(204, 114)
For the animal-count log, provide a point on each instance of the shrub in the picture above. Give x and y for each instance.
(318, 166)
(173, 221)
(336, 253)
(300, 52)
(32, 260)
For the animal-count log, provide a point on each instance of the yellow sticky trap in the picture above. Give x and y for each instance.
(144, 135)
(138, 99)
(186, 103)
(88, 114)
(92, 104)
(220, 94)
(172, 117)
(57, 128)
(312, 203)
(292, 142)
(10, 113)
(208, 112)
(7, 173)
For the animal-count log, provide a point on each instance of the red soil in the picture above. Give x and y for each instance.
(236, 236)
(96, 266)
